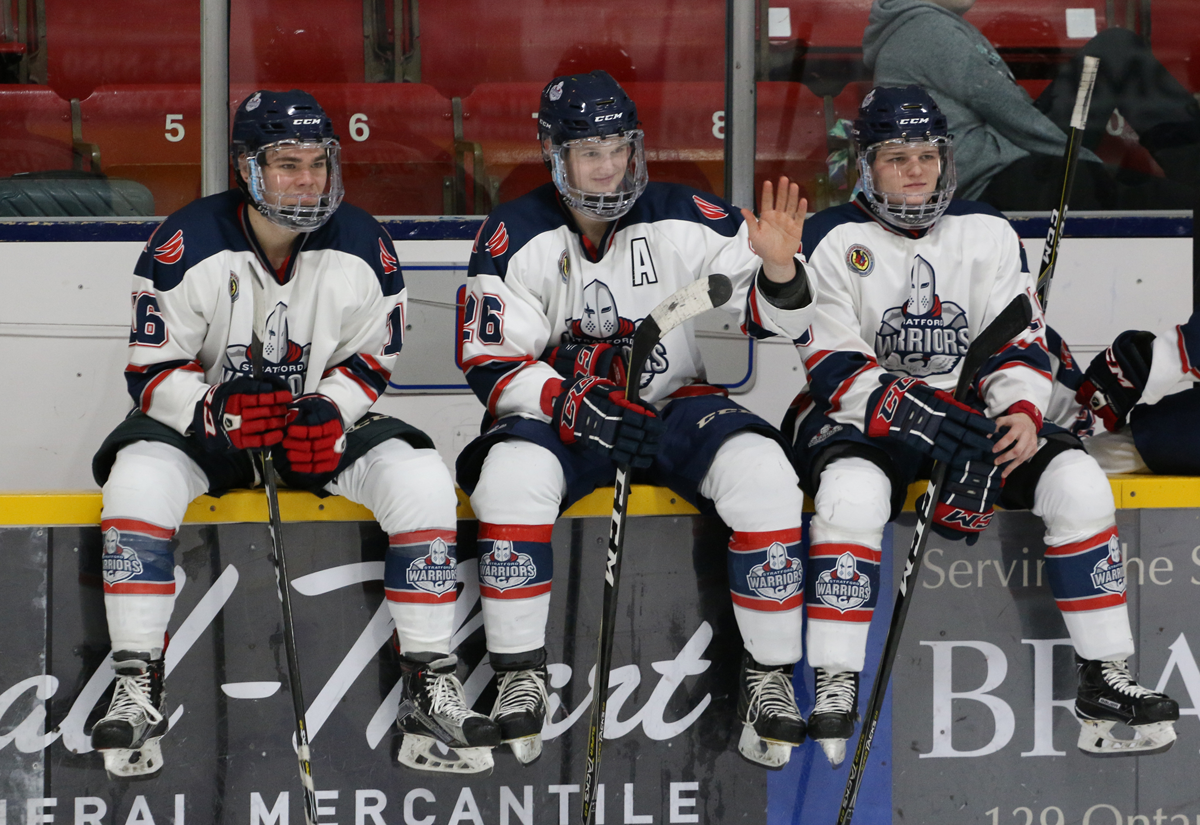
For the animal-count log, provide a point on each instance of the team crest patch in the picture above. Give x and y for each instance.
(709, 210)
(254, 102)
(119, 563)
(235, 287)
(564, 266)
(172, 251)
(1109, 573)
(504, 567)
(497, 245)
(860, 260)
(779, 577)
(826, 432)
(555, 91)
(844, 587)
(436, 573)
(386, 259)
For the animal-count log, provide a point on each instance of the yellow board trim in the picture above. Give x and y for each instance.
(61, 508)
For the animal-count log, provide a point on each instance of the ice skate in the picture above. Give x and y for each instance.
(1108, 694)
(771, 723)
(832, 720)
(520, 710)
(127, 736)
(441, 733)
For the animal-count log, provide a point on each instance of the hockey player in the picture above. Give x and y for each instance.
(283, 260)
(906, 278)
(557, 282)
(1137, 404)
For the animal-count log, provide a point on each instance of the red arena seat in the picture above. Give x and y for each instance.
(35, 130)
(293, 44)
(1175, 39)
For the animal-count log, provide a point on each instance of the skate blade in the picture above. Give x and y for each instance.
(527, 749)
(766, 752)
(835, 750)
(1096, 739)
(125, 763)
(424, 753)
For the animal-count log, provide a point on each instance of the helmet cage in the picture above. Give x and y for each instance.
(894, 207)
(299, 213)
(604, 206)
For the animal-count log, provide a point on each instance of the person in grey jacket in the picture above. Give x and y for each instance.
(1008, 147)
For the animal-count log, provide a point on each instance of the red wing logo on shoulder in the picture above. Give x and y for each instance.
(709, 210)
(497, 245)
(172, 251)
(387, 259)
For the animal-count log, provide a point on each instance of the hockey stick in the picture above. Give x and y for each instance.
(1003, 328)
(1083, 102)
(695, 298)
(303, 753)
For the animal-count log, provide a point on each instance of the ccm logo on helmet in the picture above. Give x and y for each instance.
(602, 118)
(306, 121)
(905, 121)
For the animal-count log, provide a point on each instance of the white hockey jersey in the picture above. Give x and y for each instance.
(535, 282)
(332, 317)
(910, 303)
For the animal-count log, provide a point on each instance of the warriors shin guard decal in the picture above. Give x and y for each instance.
(1088, 574)
(843, 583)
(515, 560)
(766, 570)
(421, 567)
(138, 558)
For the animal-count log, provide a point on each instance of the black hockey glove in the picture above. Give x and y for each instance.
(926, 419)
(242, 413)
(575, 361)
(313, 443)
(593, 412)
(966, 505)
(1114, 381)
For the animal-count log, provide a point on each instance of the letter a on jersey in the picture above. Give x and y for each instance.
(641, 263)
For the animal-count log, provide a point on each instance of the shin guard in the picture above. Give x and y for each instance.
(420, 573)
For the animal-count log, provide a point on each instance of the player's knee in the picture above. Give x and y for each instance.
(520, 483)
(854, 495)
(750, 479)
(153, 481)
(1073, 495)
(407, 487)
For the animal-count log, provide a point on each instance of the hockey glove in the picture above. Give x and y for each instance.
(593, 412)
(313, 442)
(926, 419)
(1114, 381)
(966, 505)
(575, 361)
(242, 413)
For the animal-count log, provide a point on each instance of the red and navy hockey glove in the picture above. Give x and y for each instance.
(1114, 381)
(313, 442)
(966, 505)
(575, 361)
(927, 419)
(242, 413)
(593, 412)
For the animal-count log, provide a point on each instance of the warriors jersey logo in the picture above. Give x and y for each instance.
(503, 567)
(436, 573)
(602, 320)
(281, 355)
(926, 336)
(860, 260)
(497, 245)
(119, 563)
(843, 588)
(386, 259)
(172, 251)
(709, 210)
(779, 577)
(1109, 573)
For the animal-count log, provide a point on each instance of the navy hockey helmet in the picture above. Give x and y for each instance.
(905, 125)
(588, 128)
(268, 123)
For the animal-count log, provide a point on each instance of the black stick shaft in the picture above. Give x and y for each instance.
(275, 523)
